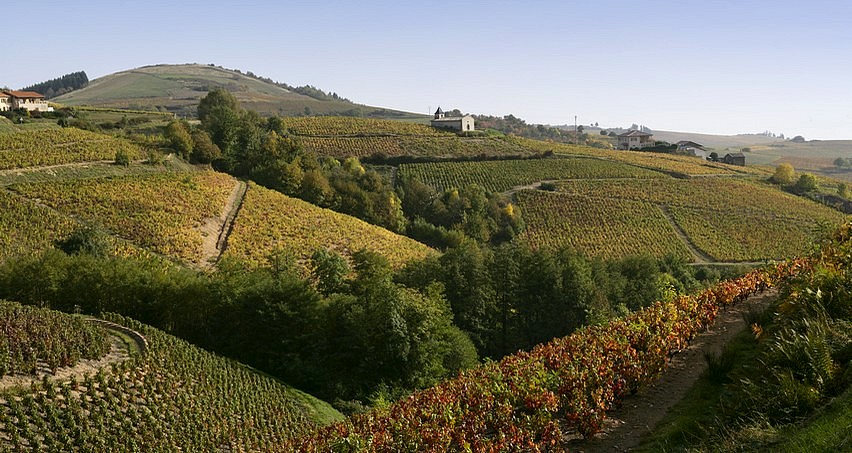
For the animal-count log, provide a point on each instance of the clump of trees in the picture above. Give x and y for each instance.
(785, 175)
(60, 85)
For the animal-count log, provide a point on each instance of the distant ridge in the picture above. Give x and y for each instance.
(178, 88)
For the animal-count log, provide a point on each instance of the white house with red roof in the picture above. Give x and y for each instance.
(28, 100)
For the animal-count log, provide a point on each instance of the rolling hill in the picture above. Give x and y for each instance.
(178, 88)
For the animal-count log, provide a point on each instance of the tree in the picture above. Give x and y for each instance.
(798, 139)
(806, 183)
(204, 151)
(784, 174)
(714, 156)
(177, 133)
(220, 117)
(329, 270)
(89, 240)
(843, 190)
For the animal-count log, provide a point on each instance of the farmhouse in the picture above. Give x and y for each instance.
(734, 159)
(28, 100)
(634, 139)
(455, 123)
(692, 148)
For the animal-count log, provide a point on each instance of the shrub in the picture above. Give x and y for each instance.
(122, 158)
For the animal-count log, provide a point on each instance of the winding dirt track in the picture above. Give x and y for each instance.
(640, 413)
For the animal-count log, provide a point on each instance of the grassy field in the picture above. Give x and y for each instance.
(174, 397)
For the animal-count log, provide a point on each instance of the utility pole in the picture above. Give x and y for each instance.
(576, 137)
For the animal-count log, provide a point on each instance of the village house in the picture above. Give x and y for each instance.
(634, 139)
(734, 159)
(692, 148)
(455, 123)
(28, 100)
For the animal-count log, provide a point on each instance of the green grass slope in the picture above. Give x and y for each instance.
(172, 397)
(178, 88)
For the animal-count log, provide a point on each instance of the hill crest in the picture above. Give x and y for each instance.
(178, 88)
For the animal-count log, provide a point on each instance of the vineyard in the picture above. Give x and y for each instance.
(529, 401)
(27, 228)
(32, 338)
(174, 397)
(676, 165)
(60, 146)
(729, 219)
(351, 126)
(607, 229)
(160, 212)
(269, 221)
(502, 175)
(83, 171)
(417, 146)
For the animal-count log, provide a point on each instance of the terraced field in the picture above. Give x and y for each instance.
(269, 221)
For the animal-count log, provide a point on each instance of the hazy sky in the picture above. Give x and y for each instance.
(702, 66)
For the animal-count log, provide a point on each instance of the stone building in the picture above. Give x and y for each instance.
(454, 123)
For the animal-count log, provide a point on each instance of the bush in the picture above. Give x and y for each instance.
(122, 158)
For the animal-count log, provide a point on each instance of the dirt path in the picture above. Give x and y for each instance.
(640, 413)
(215, 230)
(700, 257)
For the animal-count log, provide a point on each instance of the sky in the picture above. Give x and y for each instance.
(709, 66)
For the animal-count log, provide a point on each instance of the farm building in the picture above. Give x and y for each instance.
(455, 123)
(692, 148)
(734, 159)
(29, 100)
(634, 139)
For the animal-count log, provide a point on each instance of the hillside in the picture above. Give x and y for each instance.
(178, 88)
(173, 210)
(271, 222)
(163, 394)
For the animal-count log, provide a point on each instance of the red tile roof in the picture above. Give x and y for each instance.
(24, 94)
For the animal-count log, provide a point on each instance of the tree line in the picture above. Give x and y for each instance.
(60, 85)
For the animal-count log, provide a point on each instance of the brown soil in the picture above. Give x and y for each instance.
(214, 230)
(640, 413)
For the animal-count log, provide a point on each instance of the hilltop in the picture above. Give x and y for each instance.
(178, 88)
